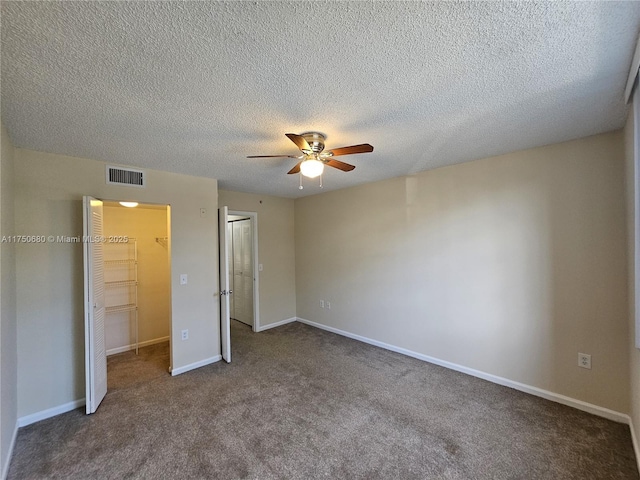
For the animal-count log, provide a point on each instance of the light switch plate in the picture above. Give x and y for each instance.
(183, 279)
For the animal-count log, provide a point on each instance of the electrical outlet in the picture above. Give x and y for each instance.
(329, 305)
(321, 303)
(584, 360)
(185, 334)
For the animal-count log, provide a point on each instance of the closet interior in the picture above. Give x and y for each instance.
(137, 290)
(241, 274)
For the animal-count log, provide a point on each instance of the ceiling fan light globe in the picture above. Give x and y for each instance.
(311, 168)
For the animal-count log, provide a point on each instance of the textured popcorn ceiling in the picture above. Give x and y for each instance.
(194, 87)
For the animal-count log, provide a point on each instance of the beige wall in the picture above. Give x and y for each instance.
(145, 224)
(508, 265)
(634, 357)
(8, 325)
(49, 190)
(276, 251)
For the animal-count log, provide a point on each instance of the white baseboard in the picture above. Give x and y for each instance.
(276, 324)
(192, 366)
(146, 343)
(12, 444)
(50, 412)
(67, 407)
(539, 392)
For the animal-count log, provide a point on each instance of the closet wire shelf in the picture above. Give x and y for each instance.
(121, 308)
(120, 283)
(125, 261)
(125, 281)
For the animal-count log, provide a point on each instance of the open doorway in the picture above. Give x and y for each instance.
(137, 293)
(241, 268)
(242, 237)
(239, 283)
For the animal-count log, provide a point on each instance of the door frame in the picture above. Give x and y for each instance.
(169, 213)
(224, 283)
(253, 217)
(89, 374)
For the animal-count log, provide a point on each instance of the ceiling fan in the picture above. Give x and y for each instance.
(314, 158)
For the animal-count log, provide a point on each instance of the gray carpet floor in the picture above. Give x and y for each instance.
(126, 370)
(300, 403)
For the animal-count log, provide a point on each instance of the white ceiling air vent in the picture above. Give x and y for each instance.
(126, 176)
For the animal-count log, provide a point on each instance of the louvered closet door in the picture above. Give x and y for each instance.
(94, 318)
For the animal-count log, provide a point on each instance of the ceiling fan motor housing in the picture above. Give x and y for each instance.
(315, 141)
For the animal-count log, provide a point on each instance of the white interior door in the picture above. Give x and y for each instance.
(94, 307)
(232, 305)
(243, 271)
(247, 271)
(225, 290)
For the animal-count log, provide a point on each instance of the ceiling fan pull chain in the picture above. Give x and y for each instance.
(320, 180)
(300, 187)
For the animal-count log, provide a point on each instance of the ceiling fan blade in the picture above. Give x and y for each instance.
(345, 167)
(295, 169)
(363, 148)
(299, 140)
(272, 156)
